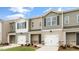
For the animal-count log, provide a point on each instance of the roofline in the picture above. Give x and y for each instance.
(55, 12)
(68, 11)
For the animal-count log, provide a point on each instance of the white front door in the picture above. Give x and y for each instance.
(51, 40)
(21, 39)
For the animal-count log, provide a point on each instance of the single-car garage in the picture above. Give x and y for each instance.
(51, 40)
(21, 39)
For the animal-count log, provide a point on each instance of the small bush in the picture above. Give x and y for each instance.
(27, 44)
(22, 45)
(63, 47)
(75, 47)
(68, 46)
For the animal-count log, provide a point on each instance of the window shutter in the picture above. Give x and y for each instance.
(44, 21)
(57, 20)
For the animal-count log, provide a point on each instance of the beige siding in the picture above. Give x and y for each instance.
(36, 23)
(5, 30)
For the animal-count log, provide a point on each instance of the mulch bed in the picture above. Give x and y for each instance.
(69, 48)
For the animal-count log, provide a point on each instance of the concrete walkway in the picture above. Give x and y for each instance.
(48, 48)
(9, 46)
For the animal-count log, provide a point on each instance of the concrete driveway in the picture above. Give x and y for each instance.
(9, 46)
(48, 48)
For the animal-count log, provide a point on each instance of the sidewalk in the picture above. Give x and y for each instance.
(48, 48)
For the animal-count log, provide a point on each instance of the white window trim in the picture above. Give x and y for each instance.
(68, 20)
(77, 19)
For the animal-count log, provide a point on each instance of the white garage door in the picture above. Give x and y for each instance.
(21, 39)
(51, 40)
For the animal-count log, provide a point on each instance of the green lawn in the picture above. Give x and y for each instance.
(21, 48)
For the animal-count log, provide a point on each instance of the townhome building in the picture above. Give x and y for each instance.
(16, 31)
(53, 28)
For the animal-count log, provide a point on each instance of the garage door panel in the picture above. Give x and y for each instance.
(51, 40)
(21, 39)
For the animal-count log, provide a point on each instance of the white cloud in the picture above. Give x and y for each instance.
(15, 16)
(21, 9)
(19, 12)
(59, 9)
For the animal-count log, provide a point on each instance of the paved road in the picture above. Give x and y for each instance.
(48, 48)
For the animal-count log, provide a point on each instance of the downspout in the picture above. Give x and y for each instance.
(65, 42)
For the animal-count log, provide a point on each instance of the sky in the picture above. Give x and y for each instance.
(7, 13)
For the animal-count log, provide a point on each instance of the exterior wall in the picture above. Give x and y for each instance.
(5, 31)
(52, 27)
(0, 31)
(37, 22)
(72, 18)
(22, 30)
(71, 38)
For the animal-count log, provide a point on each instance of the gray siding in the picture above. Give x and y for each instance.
(35, 23)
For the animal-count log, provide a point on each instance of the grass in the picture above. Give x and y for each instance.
(20, 48)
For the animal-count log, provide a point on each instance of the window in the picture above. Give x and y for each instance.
(54, 20)
(24, 25)
(40, 23)
(12, 26)
(66, 20)
(48, 21)
(32, 24)
(78, 19)
(21, 25)
(51, 21)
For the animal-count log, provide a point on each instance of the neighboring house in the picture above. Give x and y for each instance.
(52, 28)
(18, 32)
(71, 27)
(0, 31)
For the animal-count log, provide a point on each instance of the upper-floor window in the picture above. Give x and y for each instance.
(21, 25)
(32, 24)
(51, 21)
(54, 20)
(12, 26)
(40, 23)
(78, 19)
(48, 21)
(66, 19)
